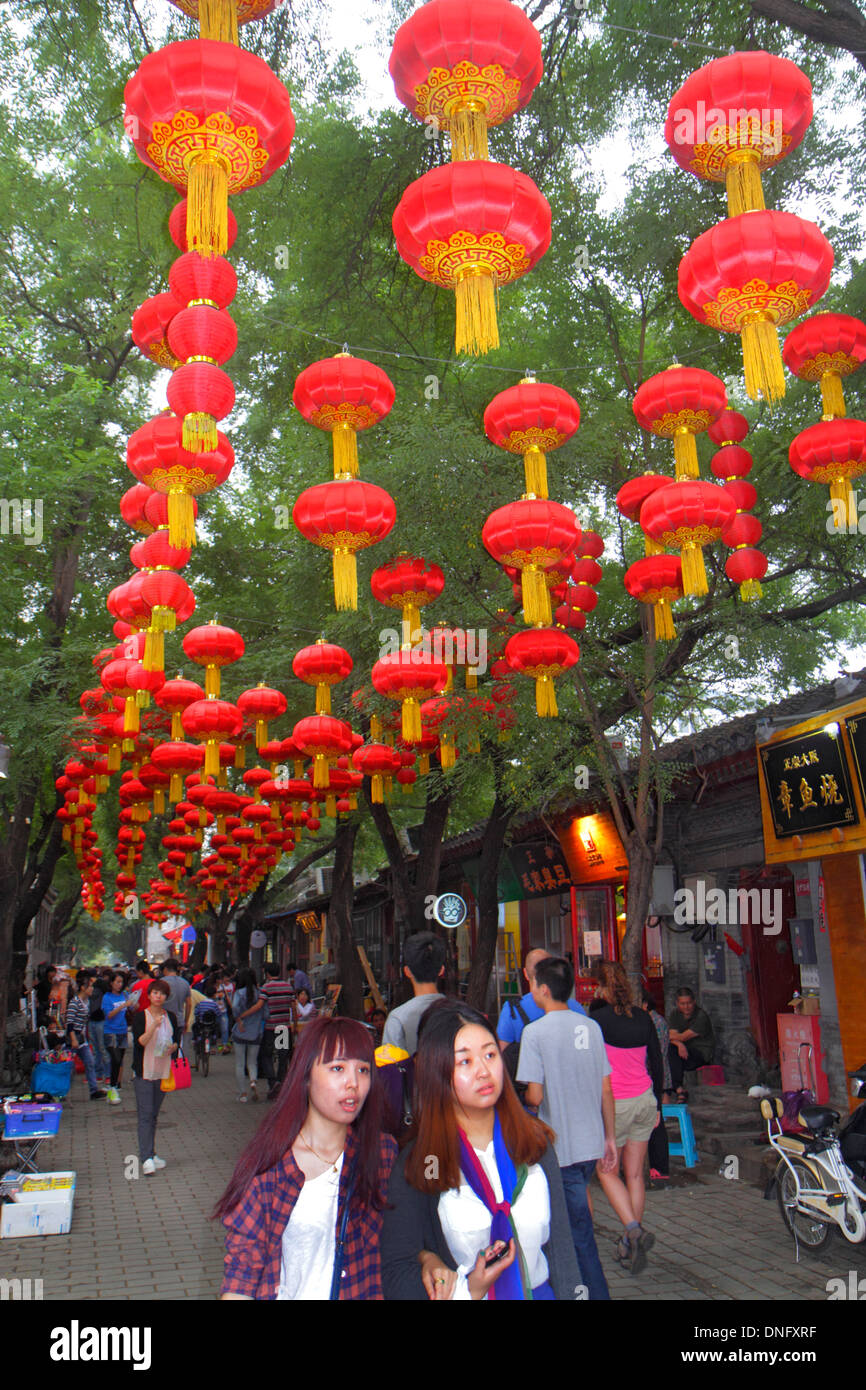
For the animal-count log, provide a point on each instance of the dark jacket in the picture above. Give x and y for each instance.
(412, 1224)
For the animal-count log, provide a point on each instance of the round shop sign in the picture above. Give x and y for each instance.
(257, 939)
(450, 910)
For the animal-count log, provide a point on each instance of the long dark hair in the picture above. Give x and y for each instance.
(436, 1131)
(322, 1041)
(247, 981)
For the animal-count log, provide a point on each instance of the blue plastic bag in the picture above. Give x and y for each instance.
(51, 1078)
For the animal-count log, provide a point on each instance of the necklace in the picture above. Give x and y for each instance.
(327, 1161)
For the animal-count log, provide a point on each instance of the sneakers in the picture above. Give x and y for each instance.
(253, 1091)
(113, 1097)
(639, 1243)
(98, 1095)
(243, 1099)
(158, 1162)
(148, 1167)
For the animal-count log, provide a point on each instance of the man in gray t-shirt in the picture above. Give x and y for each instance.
(563, 1061)
(178, 1003)
(423, 965)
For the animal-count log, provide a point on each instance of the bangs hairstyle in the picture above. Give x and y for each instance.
(159, 987)
(436, 1131)
(323, 1040)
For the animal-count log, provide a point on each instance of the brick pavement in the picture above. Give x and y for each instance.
(716, 1239)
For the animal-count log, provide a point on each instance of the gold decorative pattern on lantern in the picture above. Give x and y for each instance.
(178, 143)
(344, 415)
(447, 89)
(538, 556)
(668, 593)
(750, 136)
(815, 367)
(192, 480)
(247, 9)
(695, 421)
(464, 252)
(779, 303)
(345, 540)
(162, 355)
(521, 441)
(685, 536)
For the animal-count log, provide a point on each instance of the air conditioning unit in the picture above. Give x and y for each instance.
(324, 881)
(662, 904)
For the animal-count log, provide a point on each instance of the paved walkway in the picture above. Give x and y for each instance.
(716, 1239)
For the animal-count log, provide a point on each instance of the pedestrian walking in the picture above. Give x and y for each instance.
(179, 1000)
(77, 1021)
(303, 1210)
(423, 967)
(96, 1029)
(249, 1009)
(636, 1078)
(565, 1067)
(277, 1038)
(156, 1035)
(517, 1013)
(480, 1178)
(115, 1006)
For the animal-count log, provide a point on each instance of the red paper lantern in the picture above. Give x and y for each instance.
(472, 227)
(533, 536)
(751, 273)
(259, 706)
(736, 116)
(532, 419)
(687, 516)
(730, 428)
(378, 762)
(747, 568)
(132, 508)
(466, 67)
(409, 583)
(213, 647)
(679, 404)
(342, 395)
(201, 393)
(322, 665)
(410, 676)
(834, 452)
(210, 720)
(150, 325)
(212, 120)
(542, 654)
(825, 348)
(323, 739)
(344, 516)
(657, 579)
(634, 493)
(156, 456)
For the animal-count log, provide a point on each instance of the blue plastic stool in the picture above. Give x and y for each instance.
(687, 1149)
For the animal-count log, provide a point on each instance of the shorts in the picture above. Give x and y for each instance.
(636, 1118)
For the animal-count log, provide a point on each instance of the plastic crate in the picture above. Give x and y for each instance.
(30, 1120)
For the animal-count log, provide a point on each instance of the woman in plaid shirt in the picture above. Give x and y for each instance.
(316, 1171)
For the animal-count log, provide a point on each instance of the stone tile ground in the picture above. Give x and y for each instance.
(716, 1239)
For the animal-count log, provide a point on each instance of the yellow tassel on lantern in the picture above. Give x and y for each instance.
(376, 790)
(686, 455)
(842, 492)
(664, 621)
(240, 755)
(411, 720)
(832, 397)
(323, 698)
(545, 698)
(261, 733)
(750, 589)
(477, 329)
(67, 833)
(424, 764)
(207, 209)
(345, 451)
(535, 472)
(762, 358)
(211, 757)
(345, 580)
(469, 133)
(223, 777)
(536, 598)
(447, 753)
(181, 520)
(743, 182)
(651, 547)
(199, 433)
(331, 805)
(131, 722)
(375, 728)
(212, 681)
(218, 19)
(154, 650)
(471, 678)
(694, 570)
(321, 771)
(411, 624)
(175, 787)
(158, 800)
(177, 726)
(142, 699)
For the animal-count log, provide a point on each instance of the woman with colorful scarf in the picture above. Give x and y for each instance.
(476, 1208)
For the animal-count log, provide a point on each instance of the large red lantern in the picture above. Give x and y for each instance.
(466, 67)
(408, 583)
(532, 419)
(542, 654)
(825, 348)
(532, 536)
(212, 120)
(410, 676)
(156, 456)
(679, 404)
(322, 665)
(323, 739)
(213, 647)
(473, 227)
(344, 516)
(750, 274)
(736, 116)
(834, 452)
(342, 395)
(687, 516)
(657, 580)
(260, 705)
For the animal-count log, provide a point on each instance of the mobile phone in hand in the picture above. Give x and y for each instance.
(496, 1257)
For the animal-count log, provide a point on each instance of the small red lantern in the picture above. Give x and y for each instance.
(687, 516)
(259, 706)
(542, 654)
(825, 348)
(634, 493)
(322, 665)
(132, 508)
(407, 582)
(213, 647)
(679, 404)
(323, 739)
(410, 676)
(532, 419)
(657, 579)
(150, 325)
(533, 536)
(344, 516)
(342, 395)
(210, 720)
(834, 452)
(177, 758)
(378, 762)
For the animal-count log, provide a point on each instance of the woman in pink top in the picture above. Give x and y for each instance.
(636, 1079)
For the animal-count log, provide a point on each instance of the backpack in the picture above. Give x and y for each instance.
(397, 1082)
(511, 1054)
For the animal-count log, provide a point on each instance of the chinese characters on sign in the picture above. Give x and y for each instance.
(807, 783)
(540, 869)
(857, 738)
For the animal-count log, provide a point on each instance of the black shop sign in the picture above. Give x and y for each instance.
(857, 737)
(808, 784)
(540, 868)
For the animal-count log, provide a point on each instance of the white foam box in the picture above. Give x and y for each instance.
(42, 1206)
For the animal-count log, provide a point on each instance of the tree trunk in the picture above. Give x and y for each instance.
(841, 25)
(641, 862)
(488, 903)
(349, 973)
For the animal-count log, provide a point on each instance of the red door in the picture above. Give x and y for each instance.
(770, 970)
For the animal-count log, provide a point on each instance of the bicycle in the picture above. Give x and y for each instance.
(204, 1032)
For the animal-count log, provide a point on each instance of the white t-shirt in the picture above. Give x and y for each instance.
(466, 1222)
(307, 1263)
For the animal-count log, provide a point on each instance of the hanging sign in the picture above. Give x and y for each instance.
(449, 910)
(807, 783)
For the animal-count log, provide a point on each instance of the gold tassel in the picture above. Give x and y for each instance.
(199, 433)
(345, 451)
(751, 589)
(131, 722)
(424, 764)
(477, 329)
(841, 491)
(158, 800)
(536, 598)
(240, 755)
(261, 734)
(469, 134)
(447, 755)
(762, 359)
(376, 790)
(181, 520)
(743, 182)
(406, 787)
(535, 472)
(345, 581)
(67, 833)
(651, 547)
(154, 647)
(471, 678)
(223, 776)
(218, 19)
(832, 398)
(411, 723)
(331, 805)
(177, 726)
(211, 757)
(375, 728)
(212, 681)
(127, 746)
(321, 771)
(686, 455)
(142, 699)
(175, 787)
(665, 630)
(411, 624)
(207, 209)
(449, 681)
(323, 698)
(694, 570)
(545, 698)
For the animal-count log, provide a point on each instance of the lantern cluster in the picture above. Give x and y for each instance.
(824, 349)
(757, 269)
(471, 226)
(730, 464)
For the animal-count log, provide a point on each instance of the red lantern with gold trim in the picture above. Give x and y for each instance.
(410, 676)
(260, 706)
(532, 419)
(155, 454)
(542, 654)
(132, 505)
(343, 395)
(825, 348)
(634, 493)
(210, 720)
(679, 404)
(322, 665)
(533, 536)
(219, 19)
(657, 579)
(213, 646)
(409, 583)
(324, 739)
(344, 516)
(150, 325)
(832, 452)
(687, 516)
(378, 762)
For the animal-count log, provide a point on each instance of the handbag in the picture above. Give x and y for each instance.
(168, 1083)
(52, 1078)
(180, 1071)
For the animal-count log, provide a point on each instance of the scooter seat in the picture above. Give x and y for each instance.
(818, 1117)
